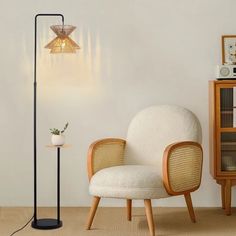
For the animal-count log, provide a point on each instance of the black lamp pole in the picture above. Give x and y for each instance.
(40, 223)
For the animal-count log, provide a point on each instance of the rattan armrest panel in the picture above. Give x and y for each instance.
(105, 153)
(182, 167)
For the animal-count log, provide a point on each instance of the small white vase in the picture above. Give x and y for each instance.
(58, 140)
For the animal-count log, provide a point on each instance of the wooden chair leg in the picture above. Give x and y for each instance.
(190, 206)
(228, 197)
(148, 209)
(223, 195)
(129, 209)
(92, 212)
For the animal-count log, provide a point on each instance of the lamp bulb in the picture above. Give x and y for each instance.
(63, 44)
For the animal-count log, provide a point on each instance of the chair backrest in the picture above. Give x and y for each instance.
(154, 128)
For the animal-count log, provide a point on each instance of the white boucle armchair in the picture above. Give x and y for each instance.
(161, 157)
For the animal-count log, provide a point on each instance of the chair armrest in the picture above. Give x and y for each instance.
(105, 153)
(182, 167)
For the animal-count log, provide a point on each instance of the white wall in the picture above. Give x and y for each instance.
(135, 53)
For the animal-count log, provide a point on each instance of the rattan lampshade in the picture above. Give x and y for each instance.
(62, 43)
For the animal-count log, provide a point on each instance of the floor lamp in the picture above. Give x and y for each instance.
(61, 44)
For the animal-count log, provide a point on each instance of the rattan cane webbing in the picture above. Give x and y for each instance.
(184, 167)
(107, 155)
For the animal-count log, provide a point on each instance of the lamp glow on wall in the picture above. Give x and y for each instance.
(61, 44)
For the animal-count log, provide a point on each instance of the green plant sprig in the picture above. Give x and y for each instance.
(57, 131)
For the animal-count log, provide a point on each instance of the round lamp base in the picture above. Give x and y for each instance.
(46, 224)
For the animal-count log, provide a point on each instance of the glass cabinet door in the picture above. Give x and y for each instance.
(228, 151)
(227, 134)
(226, 107)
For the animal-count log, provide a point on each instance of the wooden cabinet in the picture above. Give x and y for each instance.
(222, 122)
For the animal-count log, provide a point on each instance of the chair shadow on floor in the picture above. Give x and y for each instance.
(210, 221)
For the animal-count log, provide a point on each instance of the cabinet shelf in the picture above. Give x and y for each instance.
(229, 143)
(228, 146)
(226, 112)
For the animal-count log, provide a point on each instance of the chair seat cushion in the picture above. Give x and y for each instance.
(128, 181)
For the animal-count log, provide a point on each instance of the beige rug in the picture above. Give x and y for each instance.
(112, 222)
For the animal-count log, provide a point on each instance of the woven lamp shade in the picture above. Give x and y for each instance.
(62, 43)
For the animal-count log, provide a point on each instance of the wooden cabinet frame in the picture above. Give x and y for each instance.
(225, 178)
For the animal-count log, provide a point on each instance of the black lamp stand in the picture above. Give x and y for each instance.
(43, 223)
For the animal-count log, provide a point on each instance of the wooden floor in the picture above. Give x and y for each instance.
(112, 222)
